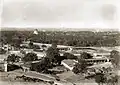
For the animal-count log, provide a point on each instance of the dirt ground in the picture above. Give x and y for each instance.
(8, 79)
(67, 78)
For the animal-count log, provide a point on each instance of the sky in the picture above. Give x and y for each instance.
(60, 13)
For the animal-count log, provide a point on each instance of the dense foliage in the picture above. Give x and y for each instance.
(41, 66)
(80, 38)
(116, 57)
(86, 55)
(13, 58)
(81, 66)
(107, 77)
(69, 56)
(30, 57)
(2, 51)
(12, 67)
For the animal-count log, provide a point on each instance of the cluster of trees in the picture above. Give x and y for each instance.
(12, 67)
(27, 57)
(81, 38)
(116, 58)
(2, 51)
(42, 66)
(106, 78)
(81, 66)
(69, 56)
(30, 57)
(13, 58)
(11, 37)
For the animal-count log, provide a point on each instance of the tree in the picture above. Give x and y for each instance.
(81, 66)
(13, 58)
(11, 67)
(110, 78)
(116, 57)
(31, 44)
(41, 66)
(86, 55)
(44, 47)
(30, 57)
(2, 51)
(99, 78)
(69, 56)
(16, 40)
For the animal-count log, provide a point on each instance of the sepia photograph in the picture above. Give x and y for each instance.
(59, 42)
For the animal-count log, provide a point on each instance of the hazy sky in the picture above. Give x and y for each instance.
(61, 13)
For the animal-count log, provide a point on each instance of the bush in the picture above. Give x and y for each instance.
(43, 65)
(33, 46)
(12, 67)
(109, 78)
(69, 56)
(13, 58)
(86, 55)
(44, 46)
(99, 78)
(30, 57)
(116, 56)
(80, 67)
(2, 51)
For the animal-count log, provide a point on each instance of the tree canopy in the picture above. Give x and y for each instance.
(13, 58)
(30, 57)
(116, 56)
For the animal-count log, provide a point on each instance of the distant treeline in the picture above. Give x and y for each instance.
(71, 38)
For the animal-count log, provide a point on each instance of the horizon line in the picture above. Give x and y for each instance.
(57, 29)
